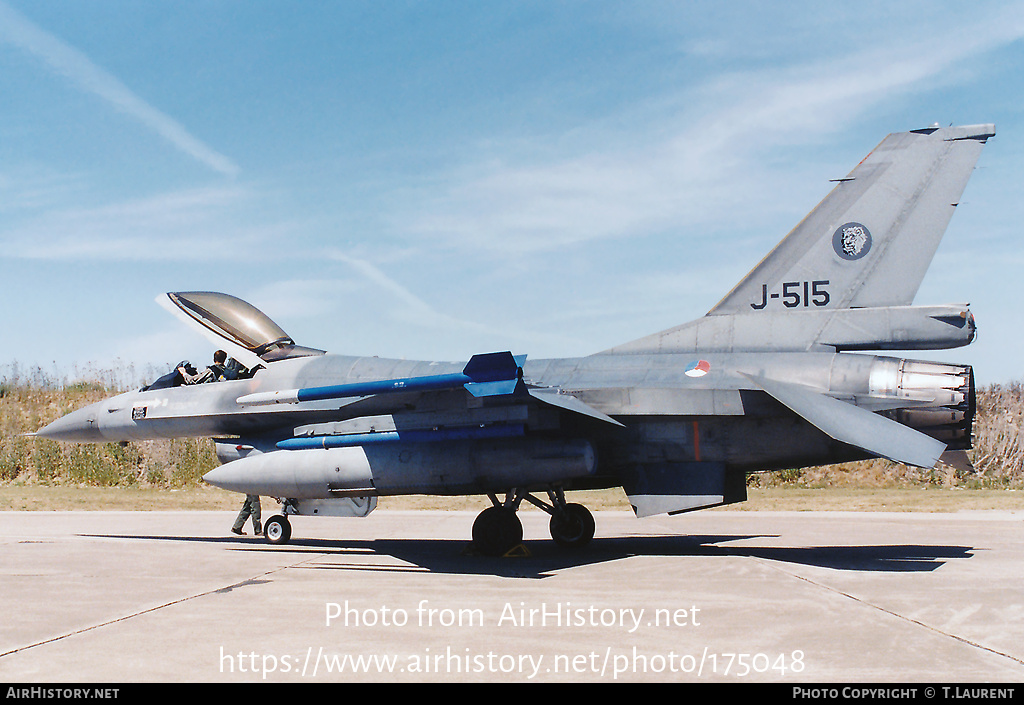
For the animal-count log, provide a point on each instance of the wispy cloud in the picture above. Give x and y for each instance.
(179, 226)
(357, 304)
(17, 30)
(417, 307)
(698, 167)
(31, 189)
(412, 309)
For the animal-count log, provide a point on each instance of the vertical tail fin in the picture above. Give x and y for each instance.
(852, 267)
(870, 241)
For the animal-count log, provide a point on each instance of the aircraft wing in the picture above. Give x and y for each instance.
(850, 424)
(492, 377)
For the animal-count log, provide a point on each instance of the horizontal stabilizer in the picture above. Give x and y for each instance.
(850, 424)
(488, 374)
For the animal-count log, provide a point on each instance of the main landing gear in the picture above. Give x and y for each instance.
(497, 529)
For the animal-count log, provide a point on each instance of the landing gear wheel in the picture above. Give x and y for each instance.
(277, 530)
(496, 530)
(573, 527)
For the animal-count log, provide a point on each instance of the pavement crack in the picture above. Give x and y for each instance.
(897, 615)
(254, 580)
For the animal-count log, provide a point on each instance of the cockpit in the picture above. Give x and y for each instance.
(244, 328)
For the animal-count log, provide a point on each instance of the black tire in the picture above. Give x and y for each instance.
(573, 528)
(277, 530)
(496, 530)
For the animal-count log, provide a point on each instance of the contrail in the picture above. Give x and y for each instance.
(64, 59)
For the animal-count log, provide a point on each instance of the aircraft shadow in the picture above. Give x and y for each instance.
(545, 558)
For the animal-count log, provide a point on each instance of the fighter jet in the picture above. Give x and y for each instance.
(781, 373)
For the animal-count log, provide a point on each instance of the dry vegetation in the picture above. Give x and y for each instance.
(997, 456)
(29, 401)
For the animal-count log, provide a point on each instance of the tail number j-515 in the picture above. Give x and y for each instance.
(794, 294)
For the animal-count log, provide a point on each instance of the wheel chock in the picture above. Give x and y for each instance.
(517, 551)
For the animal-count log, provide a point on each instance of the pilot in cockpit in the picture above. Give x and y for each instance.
(213, 373)
(223, 368)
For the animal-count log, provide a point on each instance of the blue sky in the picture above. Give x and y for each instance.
(436, 179)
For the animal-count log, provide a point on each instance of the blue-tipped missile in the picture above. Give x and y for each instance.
(426, 435)
(489, 374)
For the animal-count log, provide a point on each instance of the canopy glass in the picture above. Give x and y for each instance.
(241, 323)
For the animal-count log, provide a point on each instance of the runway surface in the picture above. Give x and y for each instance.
(712, 596)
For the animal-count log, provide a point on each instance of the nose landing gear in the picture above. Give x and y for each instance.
(277, 530)
(497, 529)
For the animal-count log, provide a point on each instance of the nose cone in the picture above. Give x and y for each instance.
(298, 474)
(227, 477)
(78, 426)
(256, 474)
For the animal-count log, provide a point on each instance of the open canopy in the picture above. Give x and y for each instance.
(240, 323)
